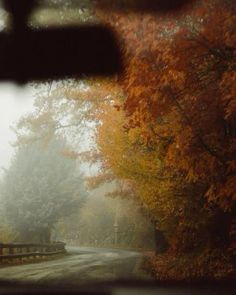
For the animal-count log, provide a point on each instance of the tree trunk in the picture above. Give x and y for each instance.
(161, 243)
(44, 236)
(220, 230)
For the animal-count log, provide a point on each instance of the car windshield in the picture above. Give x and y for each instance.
(130, 174)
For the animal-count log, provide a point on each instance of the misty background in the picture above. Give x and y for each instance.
(85, 217)
(14, 102)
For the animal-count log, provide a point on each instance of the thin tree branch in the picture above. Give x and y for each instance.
(198, 134)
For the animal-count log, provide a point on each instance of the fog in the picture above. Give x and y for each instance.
(138, 165)
(44, 191)
(14, 102)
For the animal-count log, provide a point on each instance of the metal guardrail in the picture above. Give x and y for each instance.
(32, 250)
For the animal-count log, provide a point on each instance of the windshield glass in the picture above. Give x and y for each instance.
(129, 176)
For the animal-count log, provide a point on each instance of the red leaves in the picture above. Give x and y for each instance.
(177, 145)
(182, 69)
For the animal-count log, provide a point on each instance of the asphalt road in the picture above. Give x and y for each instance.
(80, 265)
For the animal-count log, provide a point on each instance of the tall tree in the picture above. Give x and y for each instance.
(179, 83)
(41, 186)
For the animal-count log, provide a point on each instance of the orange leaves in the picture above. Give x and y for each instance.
(195, 64)
(173, 136)
(228, 88)
(223, 194)
(229, 189)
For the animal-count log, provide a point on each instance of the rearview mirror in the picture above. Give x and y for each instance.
(58, 53)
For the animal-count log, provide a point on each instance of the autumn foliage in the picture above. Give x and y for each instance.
(174, 137)
(165, 129)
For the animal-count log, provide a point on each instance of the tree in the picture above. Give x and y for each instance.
(94, 225)
(167, 132)
(40, 187)
(179, 80)
(173, 205)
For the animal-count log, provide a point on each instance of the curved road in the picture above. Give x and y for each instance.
(80, 265)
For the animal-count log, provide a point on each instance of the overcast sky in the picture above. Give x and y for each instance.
(14, 102)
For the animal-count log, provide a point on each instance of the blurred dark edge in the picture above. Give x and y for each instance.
(38, 55)
(161, 6)
(58, 53)
(110, 287)
(134, 5)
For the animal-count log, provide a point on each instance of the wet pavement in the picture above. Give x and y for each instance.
(80, 265)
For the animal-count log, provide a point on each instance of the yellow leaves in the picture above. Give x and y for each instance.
(128, 156)
(94, 182)
(174, 139)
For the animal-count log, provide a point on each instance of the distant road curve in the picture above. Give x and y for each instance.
(80, 265)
